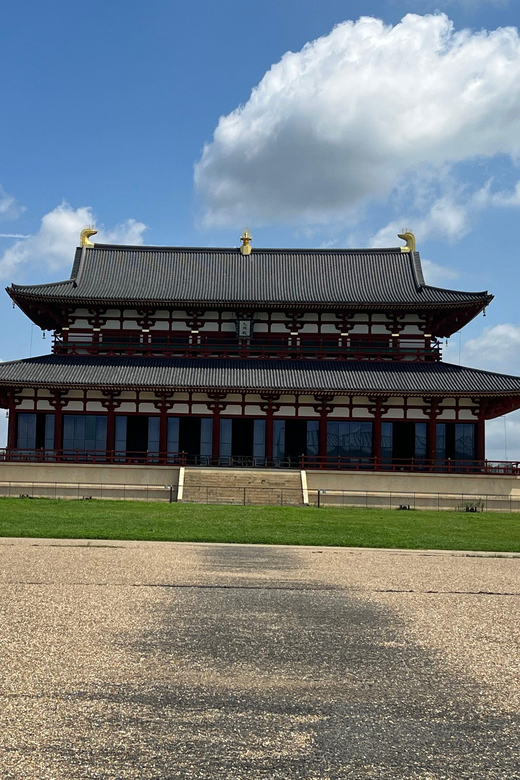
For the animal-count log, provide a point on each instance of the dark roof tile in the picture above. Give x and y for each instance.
(286, 376)
(267, 277)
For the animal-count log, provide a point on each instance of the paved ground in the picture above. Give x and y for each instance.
(157, 660)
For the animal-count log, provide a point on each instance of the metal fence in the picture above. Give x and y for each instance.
(264, 496)
(455, 502)
(76, 490)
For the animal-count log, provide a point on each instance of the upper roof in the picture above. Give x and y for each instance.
(267, 277)
(298, 376)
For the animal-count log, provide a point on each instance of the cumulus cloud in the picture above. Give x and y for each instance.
(53, 245)
(9, 206)
(467, 3)
(496, 349)
(437, 274)
(358, 111)
(503, 437)
(449, 215)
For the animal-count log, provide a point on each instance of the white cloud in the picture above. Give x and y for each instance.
(437, 274)
(496, 349)
(9, 206)
(467, 3)
(506, 198)
(447, 215)
(503, 437)
(356, 112)
(53, 245)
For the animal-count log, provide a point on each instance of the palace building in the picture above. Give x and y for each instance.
(250, 357)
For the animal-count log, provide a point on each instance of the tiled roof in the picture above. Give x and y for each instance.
(267, 277)
(286, 376)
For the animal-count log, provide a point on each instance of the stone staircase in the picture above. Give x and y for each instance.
(241, 486)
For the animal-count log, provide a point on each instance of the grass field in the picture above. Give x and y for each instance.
(259, 525)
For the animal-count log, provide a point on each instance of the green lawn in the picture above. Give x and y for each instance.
(258, 525)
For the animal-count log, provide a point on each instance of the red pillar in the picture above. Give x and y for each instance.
(111, 432)
(323, 432)
(58, 403)
(216, 406)
(323, 408)
(163, 432)
(11, 433)
(432, 437)
(433, 410)
(376, 441)
(215, 436)
(481, 437)
(269, 416)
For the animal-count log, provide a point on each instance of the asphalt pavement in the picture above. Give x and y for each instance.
(160, 660)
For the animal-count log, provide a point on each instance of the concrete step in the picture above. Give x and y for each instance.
(241, 477)
(242, 486)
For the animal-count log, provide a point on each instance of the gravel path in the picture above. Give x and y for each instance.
(157, 660)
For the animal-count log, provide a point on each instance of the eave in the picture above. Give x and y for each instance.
(500, 393)
(48, 312)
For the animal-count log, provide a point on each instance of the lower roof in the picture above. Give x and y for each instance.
(332, 377)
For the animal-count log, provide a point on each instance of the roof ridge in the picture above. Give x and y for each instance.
(417, 271)
(258, 250)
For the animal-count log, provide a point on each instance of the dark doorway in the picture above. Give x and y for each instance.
(404, 441)
(242, 437)
(295, 438)
(137, 436)
(189, 435)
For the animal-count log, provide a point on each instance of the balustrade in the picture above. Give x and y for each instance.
(281, 349)
(309, 462)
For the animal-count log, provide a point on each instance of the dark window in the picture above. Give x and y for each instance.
(464, 441)
(387, 441)
(404, 441)
(26, 432)
(123, 338)
(441, 441)
(369, 346)
(85, 432)
(167, 340)
(456, 441)
(35, 431)
(421, 440)
(349, 439)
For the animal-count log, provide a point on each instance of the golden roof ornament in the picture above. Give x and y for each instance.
(409, 237)
(85, 235)
(246, 239)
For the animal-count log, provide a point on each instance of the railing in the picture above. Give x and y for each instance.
(422, 465)
(151, 458)
(319, 349)
(307, 462)
(263, 496)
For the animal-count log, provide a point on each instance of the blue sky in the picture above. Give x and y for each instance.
(141, 117)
